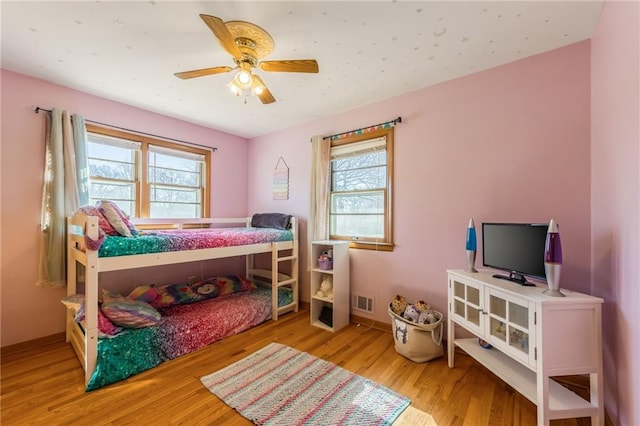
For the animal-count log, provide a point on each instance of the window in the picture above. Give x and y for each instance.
(360, 192)
(148, 177)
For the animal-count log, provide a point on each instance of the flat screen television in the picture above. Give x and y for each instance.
(517, 248)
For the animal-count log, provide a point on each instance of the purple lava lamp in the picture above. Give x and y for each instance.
(553, 260)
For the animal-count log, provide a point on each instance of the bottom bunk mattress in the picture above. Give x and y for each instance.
(183, 329)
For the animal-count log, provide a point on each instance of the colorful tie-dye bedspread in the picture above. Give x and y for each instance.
(192, 239)
(183, 329)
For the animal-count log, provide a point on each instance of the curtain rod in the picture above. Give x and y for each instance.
(394, 122)
(37, 109)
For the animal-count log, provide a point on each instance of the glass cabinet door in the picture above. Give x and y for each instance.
(511, 325)
(466, 305)
(498, 317)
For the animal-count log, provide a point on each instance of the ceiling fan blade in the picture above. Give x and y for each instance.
(202, 72)
(265, 96)
(301, 65)
(222, 33)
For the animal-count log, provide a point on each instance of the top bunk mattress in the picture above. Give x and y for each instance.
(191, 239)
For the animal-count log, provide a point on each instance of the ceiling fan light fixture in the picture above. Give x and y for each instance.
(234, 87)
(247, 44)
(243, 78)
(257, 87)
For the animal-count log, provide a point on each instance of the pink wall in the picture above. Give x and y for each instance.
(615, 205)
(555, 135)
(507, 144)
(29, 312)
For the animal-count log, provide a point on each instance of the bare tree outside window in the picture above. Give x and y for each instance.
(148, 179)
(360, 181)
(174, 185)
(113, 174)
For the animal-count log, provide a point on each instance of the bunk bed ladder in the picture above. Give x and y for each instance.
(283, 280)
(276, 278)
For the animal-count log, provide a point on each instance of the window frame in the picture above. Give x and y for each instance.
(142, 184)
(387, 243)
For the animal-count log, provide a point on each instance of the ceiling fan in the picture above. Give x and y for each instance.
(247, 44)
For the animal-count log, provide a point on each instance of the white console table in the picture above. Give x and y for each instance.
(534, 337)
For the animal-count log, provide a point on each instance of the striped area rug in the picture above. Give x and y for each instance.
(279, 385)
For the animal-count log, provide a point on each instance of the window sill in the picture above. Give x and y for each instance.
(363, 245)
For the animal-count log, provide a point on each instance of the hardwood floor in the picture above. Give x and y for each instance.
(44, 386)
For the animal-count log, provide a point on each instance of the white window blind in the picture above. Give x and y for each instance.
(358, 148)
(111, 141)
(193, 156)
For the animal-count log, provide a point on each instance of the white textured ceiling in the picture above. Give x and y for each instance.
(367, 50)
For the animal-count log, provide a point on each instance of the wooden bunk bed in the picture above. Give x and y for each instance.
(84, 336)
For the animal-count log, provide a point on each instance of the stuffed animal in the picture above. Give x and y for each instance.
(421, 305)
(428, 316)
(411, 313)
(399, 304)
(326, 288)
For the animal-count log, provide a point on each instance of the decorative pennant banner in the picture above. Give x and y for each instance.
(364, 130)
(281, 180)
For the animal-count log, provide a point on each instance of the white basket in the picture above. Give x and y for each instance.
(417, 342)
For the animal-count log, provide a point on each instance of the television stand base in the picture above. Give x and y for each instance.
(516, 278)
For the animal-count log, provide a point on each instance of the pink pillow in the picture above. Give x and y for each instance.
(102, 221)
(105, 326)
(117, 218)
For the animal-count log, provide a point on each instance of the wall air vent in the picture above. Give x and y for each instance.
(363, 303)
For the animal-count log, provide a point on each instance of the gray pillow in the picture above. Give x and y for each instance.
(271, 220)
